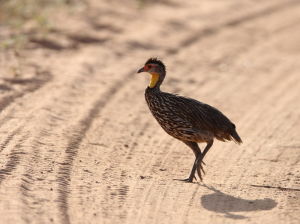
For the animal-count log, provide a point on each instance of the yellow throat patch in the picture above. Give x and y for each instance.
(154, 80)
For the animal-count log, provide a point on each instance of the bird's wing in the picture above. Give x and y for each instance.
(201, 116)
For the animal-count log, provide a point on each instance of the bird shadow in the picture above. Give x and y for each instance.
(226, 204)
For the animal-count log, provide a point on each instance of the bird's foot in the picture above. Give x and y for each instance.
(188, 180)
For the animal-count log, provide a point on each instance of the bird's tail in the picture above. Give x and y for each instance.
(235, 136)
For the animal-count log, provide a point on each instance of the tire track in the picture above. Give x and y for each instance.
(209, 31)
(9, 138)
(71, 150)
(190, 204)
(117, 190)
(147, 187)
(32, 202)
(34, 85)
(37, 83)
(40, 167)
(283, 103)
(14, 156)
(122, 188)
(258, 147)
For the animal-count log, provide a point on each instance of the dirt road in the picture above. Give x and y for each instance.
(78, 144)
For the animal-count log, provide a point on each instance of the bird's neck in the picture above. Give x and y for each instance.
(151, 91)
(156, 80)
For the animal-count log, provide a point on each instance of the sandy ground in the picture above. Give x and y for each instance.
(78, 144)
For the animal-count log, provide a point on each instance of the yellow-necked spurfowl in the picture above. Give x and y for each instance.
(186, 119)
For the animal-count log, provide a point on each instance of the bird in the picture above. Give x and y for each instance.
(186, 119)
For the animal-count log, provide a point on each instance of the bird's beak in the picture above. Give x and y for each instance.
(140, 70)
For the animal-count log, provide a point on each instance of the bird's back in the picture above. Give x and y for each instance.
(188, 119)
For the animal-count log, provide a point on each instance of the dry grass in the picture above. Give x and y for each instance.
(17, 12)
(21, 18)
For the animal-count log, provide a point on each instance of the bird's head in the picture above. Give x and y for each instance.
(156, 69)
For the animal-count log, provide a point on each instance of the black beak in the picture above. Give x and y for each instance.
(140, 70)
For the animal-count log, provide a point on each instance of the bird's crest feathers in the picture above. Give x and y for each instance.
(156, 61)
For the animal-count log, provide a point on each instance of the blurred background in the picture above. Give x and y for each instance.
(79, 145)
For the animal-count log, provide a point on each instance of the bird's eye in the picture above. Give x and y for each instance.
(148, 67)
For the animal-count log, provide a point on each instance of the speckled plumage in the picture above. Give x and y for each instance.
(187, 119)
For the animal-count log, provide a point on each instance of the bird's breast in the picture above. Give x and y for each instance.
(163, 112)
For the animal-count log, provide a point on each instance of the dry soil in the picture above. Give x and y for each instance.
(78, 144)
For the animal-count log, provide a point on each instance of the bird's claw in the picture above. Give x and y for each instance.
(199, 169)
(189, 180)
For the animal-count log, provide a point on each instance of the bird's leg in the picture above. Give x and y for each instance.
(192, 174)
(199, 159)
(197, 166)
(194, 146)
